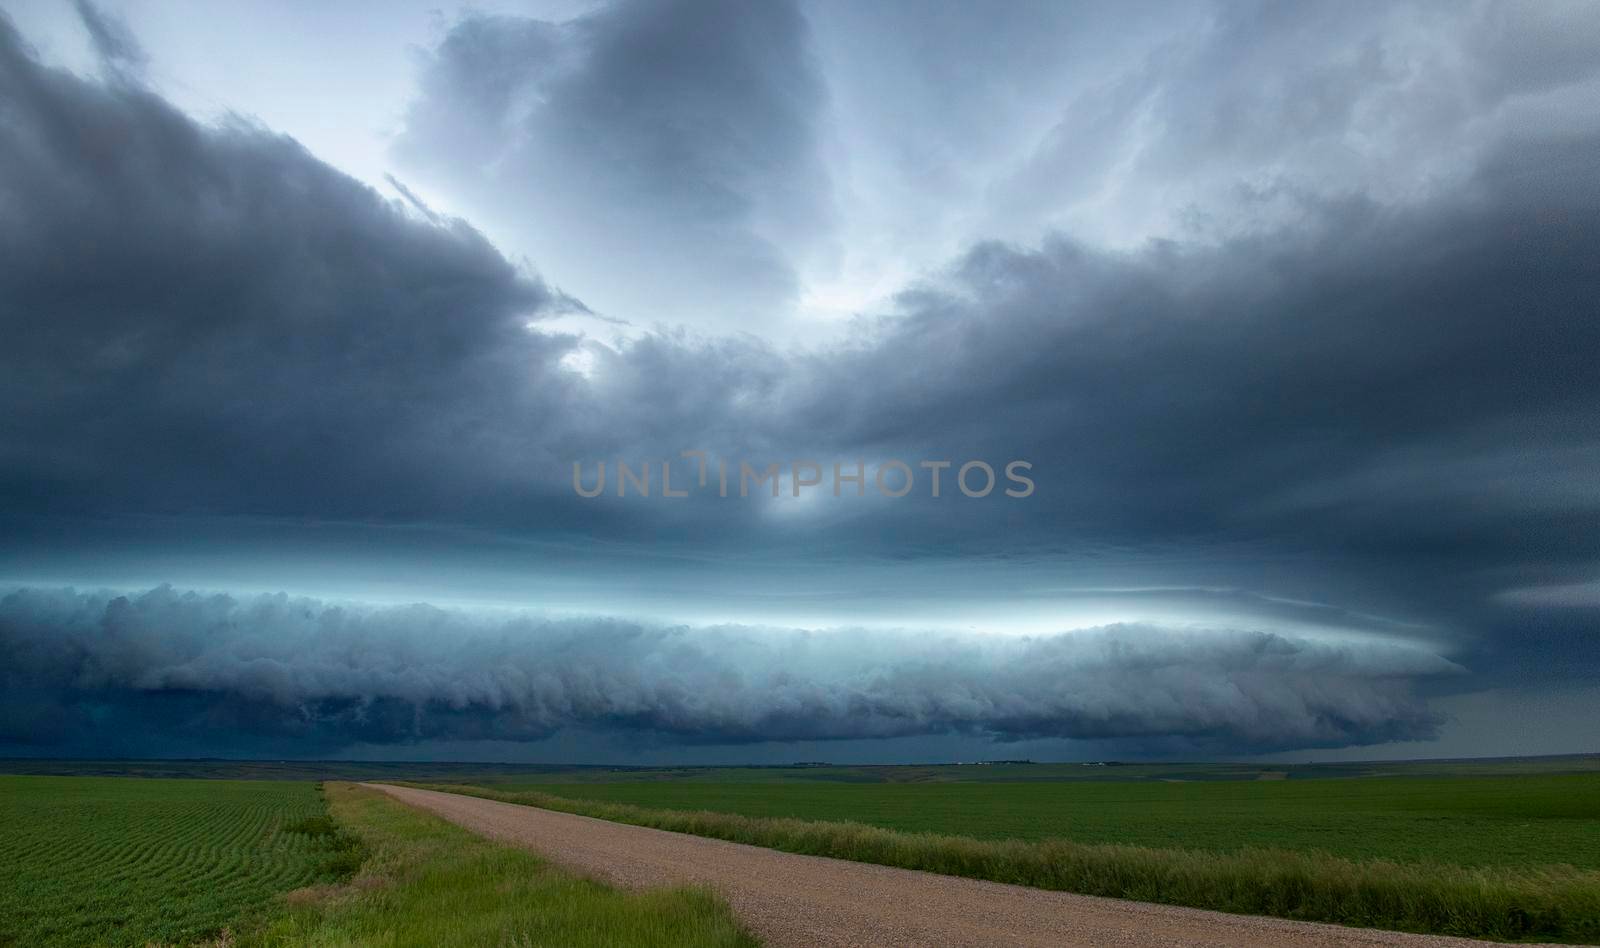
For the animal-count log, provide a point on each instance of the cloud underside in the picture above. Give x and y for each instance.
(96, 670)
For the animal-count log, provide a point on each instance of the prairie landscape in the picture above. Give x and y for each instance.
(809, 473)
(1503, 850)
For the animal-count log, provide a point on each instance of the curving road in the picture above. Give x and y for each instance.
(788, 899)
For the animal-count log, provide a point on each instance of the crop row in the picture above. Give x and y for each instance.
(112, 861)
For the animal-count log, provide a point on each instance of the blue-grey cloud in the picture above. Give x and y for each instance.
(113, 42)
(193, 306)
(92, 671)
(679, 136)
(172, 290)
(1383, 398)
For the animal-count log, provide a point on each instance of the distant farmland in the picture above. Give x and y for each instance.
(1467, 821)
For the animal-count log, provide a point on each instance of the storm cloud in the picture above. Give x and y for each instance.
(273, 666)
(1370, 394)
(206, 305)
(171, 290)
(681, 135)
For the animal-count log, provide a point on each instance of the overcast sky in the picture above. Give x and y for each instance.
(1289, 312)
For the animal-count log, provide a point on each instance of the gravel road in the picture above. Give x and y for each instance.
(792, 900)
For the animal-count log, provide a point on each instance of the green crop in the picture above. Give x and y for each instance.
(119, 861)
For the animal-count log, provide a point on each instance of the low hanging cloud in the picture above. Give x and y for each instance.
(92, 670)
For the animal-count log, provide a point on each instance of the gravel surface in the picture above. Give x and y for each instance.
(788, 899)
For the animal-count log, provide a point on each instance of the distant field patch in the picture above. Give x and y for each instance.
(129, 861)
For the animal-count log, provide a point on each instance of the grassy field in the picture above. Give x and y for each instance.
(430, 884)
(107, 861)
(1485, 856)
(1466, 821)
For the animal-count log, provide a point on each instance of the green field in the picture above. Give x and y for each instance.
(1507, 850)
(260, 864)
(108, 861)
(1467, 821)
(1497, 849)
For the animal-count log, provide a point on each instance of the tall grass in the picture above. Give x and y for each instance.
(1550, 903)
(427, 883)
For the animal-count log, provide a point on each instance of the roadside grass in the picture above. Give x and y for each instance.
(1509, 903)
(426, 882)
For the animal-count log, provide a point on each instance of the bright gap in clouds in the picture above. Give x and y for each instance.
(1114, 143)
(340, 81)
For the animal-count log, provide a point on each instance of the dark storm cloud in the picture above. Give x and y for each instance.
(1429, 358)
(209, 319)
(1394, 397)
(89, 668)
(171, 292)
(1380, 381)
(678, 135)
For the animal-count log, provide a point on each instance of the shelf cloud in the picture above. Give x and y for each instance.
(274, 667)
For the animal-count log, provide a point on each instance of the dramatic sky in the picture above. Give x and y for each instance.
(1289, 311)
